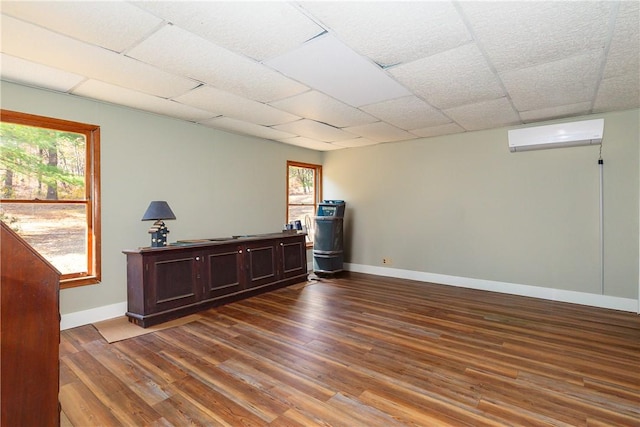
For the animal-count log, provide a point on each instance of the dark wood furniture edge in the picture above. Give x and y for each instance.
(30, 334)
(213, 242)
(148, 320)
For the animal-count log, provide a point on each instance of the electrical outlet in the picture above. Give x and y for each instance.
(387, 261)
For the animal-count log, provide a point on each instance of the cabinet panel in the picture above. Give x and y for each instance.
(225, 274)
(293, 258)
(261, 262)
(175, 282)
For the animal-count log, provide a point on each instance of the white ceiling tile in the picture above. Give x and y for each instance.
(246, 128)
(356, 142)
(328, 65)
(555, 112)
(473, 63)
(315, 130)
(28, 73)
(618, 93)
(114, 25)
(322, 108)
(42, 46)
(380, 132)
(447, 129)
(455, 77)
(118, 95)
(227, 104)
(524, 33)
(259, 30)
(409, 112)
(566, 81)
(311, 144)
(623, 57)
(391, 34)
(183, 53)
(485, 115)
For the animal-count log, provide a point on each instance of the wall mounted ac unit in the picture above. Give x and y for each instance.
(570, 134)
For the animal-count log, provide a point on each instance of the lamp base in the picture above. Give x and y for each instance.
(158, 233)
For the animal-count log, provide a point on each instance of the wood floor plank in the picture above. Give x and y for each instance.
(200, 346)
(66, 375)
(324, 412)
(260, 368)
(124, 368)
(523, 417)
(146, 353)
(627, 393)
(260, 404)
(511, 392)
(293, 418)
(360, 350)
(72, 340)
(581, 395)
(362, 413)
(83, 408)
(115, 394)
(64, 420)
(180, 411)
(222, 409)
(281, 380)
(405, 412)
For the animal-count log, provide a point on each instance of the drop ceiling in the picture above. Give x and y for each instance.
(333, 75)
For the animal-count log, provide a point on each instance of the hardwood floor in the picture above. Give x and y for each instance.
(362, 350)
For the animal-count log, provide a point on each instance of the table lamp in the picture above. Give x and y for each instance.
(157, 211)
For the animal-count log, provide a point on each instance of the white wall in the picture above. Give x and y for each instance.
(454, 206)
(217, 184)
(463, 206)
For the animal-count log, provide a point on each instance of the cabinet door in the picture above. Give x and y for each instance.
(293, 257)
(224, 273)
(172, 280)
(261, 263)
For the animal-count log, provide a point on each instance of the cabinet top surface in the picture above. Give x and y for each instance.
(217, 241)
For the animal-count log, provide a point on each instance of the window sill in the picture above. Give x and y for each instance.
(79, 281)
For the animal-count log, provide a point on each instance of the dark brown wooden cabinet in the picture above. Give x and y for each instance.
(169, 282)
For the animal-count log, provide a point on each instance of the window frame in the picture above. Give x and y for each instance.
(92, 189)
(317, 189)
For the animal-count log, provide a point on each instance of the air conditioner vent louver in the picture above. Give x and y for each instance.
(558, 135)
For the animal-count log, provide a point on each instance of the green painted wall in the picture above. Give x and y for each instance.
(217, 183)
(463, 205)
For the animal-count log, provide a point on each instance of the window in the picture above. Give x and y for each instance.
(304, 191)
(50, 191)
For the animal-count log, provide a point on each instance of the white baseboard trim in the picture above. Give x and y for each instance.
(86, 317)
(582, 298)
